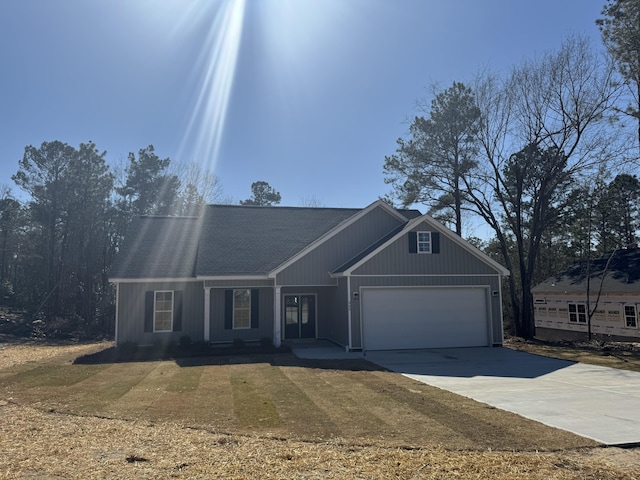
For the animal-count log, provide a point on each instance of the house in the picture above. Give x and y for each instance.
(561, 310)
(372, 278)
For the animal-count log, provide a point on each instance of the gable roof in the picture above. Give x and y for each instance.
(401, 215)
(618, 271)
(230, 240)
(158, 247)
(252, 240)
(369, 253)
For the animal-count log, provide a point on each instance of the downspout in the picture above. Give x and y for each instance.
(207, 314)
(501, 313)
(350, 346)
(117, 309)
(277, 320)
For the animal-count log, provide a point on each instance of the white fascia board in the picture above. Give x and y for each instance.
(438, 227)
(451, 235)
(153, 280)
(372, 254)
(335, 230)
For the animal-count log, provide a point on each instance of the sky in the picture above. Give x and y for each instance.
(307, 95)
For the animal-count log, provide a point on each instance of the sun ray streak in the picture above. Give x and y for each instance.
(217, 68)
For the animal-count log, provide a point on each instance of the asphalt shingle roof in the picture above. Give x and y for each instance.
(226, 240)
(621, 275)
(158, 247)
(241, 240)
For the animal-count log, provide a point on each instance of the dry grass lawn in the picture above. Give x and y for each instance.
(623, 356)
(265, 417)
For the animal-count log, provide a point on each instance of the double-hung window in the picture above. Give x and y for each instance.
(577, 313)
(163, 311)
(630, 316)
(424, 242)
(241, 308)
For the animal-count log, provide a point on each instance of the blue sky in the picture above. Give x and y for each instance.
(308, 95)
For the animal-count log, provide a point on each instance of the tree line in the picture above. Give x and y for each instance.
(57, 247)
(542, 155)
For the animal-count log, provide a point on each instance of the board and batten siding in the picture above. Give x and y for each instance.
(326, 326)
(220, 334)
(314, 268)
(131, 312)
(489, 282)
(396, 259)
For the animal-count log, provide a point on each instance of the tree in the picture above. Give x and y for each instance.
(64, 266)
(149, 189)
(620, 208)
(557, 105)
(620, 28)
(429, 167)
(42, 174)
(264, 195)
(197, 188)
(9, 215)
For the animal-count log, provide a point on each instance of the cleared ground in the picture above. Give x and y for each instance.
(264, 417)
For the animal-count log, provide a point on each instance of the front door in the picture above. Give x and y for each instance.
(299, 316)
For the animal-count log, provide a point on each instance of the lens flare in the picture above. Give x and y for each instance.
(215, 72)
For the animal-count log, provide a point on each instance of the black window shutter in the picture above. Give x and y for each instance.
(177, 311)
(255, 308)
(435, 242)
(148, 311)
(228, 309)
(413, 242)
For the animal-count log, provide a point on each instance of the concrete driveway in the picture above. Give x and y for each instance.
(596, 402)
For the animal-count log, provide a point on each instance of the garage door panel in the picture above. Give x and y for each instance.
(402, 318)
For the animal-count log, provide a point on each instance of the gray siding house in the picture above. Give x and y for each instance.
(368, 279)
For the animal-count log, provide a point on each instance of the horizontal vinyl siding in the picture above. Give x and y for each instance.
(314, 268)
(492, 281)
(265, 318)
(396, 260)
(131, 313)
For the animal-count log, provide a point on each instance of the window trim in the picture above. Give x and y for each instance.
(173, 301)
(635, 316)
(246, 308)
(577, 313)
(420, 242)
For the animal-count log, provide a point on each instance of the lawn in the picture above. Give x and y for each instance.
(263, 416)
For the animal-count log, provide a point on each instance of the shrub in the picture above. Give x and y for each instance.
(238, 343)
(266, 342)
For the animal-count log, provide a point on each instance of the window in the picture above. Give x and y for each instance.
(577, 313)
(163, 311)
(630, 317)
(424, 242)
(241, 309)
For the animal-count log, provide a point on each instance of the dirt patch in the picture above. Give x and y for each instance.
(17, 351)
(622, 355)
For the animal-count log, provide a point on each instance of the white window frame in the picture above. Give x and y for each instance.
(580, 316)
(627, 317)
(422, 243)
(239, 309)
(156, 310)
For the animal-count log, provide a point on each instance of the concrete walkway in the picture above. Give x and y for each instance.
(596, 402)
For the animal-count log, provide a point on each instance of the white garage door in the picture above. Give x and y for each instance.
(433, 317)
